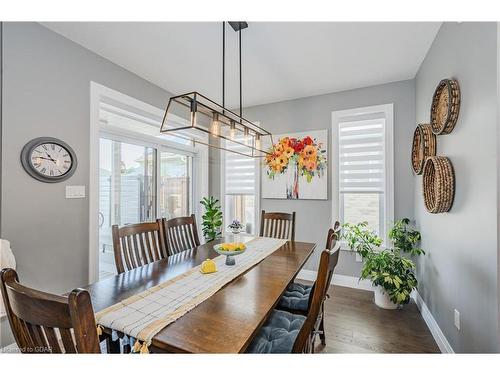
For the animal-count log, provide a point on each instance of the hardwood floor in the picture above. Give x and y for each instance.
(354, 324)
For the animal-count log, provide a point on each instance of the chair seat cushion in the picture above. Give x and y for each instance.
(296, 297)
(278, 333)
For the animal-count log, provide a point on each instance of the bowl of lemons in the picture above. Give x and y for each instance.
(230, 249)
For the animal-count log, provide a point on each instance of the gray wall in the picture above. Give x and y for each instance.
(460, 268)
(47, 93)
(313, 113)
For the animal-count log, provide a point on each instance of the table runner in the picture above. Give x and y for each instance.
(142, 316)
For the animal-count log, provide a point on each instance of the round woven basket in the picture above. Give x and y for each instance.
(424, 145)
(445, 106)
(438, 184)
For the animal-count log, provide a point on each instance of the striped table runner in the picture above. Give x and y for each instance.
(142, 316)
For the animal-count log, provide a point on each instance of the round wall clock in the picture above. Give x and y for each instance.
(48, 159)
(445, 106)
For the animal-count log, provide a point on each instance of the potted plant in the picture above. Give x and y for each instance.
(235, 226)
(211, 219)
(392, 274)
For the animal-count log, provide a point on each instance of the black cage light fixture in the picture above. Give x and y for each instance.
(231, 131)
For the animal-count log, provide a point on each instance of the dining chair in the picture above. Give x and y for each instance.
(136, 245)
(277, 225)
(48, 323)
(180, 234)
(285, 332)
(297, 296)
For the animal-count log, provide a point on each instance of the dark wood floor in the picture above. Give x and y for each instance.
(354, 324)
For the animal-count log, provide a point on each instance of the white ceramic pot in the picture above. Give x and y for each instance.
(383, 300)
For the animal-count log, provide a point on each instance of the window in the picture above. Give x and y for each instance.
(364, 161)
(240, 187)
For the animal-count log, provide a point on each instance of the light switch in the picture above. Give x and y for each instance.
(75, 192)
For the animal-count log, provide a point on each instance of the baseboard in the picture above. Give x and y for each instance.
(340, 280)
(354, 282)
(436, 332)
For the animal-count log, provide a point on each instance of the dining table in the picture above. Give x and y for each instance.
(227, 321)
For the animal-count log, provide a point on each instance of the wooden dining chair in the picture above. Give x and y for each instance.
(297, 296)
(48, 323)
(180, 233)
(138, 244)
(277, 225)
(285, 332)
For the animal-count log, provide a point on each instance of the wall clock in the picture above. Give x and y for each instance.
(48, 159)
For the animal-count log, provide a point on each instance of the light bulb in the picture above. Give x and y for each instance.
(215, 125)
(246, 136)
(232, 130)
(257, 141)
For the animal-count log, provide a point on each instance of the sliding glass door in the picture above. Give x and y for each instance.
(127, 190)
(175, 184)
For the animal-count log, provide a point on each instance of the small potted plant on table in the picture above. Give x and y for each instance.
(235, 226)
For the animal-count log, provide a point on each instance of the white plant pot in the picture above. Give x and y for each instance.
(383, 300)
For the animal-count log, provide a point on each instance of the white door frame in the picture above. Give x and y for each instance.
(199, 169)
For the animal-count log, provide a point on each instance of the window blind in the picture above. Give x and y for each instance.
(361, 156)
(239, 170)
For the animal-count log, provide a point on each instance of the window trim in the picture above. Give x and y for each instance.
(366, 113)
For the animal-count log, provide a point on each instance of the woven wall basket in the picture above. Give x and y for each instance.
(445, 106)
(424, 145)
(438, 184)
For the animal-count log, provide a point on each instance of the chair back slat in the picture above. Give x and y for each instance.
(277, 225)
(47, 323)
(136, 245)
(328, 261)
(181, 234)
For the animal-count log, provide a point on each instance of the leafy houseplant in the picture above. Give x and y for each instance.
(404, 238)
(212, 218)
(360, 238)
(386, 268)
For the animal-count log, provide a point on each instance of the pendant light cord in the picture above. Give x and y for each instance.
(241, 107)
(223, 65)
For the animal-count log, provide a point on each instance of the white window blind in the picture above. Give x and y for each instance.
(240, 171)
(361, 156)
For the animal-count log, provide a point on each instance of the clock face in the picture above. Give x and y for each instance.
(51, 160)
(48, 159)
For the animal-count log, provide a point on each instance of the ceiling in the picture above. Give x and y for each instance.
(281, 60)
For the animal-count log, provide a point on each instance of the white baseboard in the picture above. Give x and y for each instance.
(436, 332)
(354, 282)
(340, 280)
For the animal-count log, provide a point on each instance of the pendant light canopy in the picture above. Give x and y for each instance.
(229, 131)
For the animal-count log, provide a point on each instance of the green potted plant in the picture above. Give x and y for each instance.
(211, 219)
(392, 274)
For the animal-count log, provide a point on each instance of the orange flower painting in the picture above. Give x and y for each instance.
(299, 158)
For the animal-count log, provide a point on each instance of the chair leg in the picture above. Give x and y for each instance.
(322, 327)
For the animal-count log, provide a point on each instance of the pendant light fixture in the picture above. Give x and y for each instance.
(230, 131)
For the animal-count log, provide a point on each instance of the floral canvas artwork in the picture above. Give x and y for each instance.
(296, 166)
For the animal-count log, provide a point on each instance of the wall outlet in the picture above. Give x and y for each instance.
(457, 319)
(75, 192)
(359, 258)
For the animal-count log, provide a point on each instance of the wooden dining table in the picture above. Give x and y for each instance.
(227, 321)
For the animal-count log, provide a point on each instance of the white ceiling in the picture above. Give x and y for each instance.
(281, 60)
